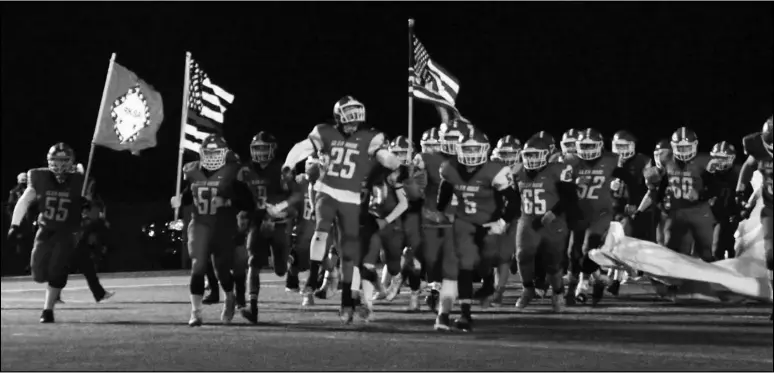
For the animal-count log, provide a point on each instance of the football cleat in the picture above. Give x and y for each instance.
(196, 318)
(250, 313)
(497, 298)
(291, 283)
(527, 295)
(432, 299)
(47, 317)
(394, 288)
(414, 302)
(557, 303)
(347, 315)
(307, 298)
(229, 307)
(107, 295)
(464, 323)
(484, 295)
(442, 322)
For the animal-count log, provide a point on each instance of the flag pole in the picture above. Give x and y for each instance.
(411, 86)
(99, 118)
(183, 121)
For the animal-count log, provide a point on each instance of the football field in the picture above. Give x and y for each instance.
(144, 327)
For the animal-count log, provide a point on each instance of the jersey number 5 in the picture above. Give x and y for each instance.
(532, 201)
(470, 204)
(341, 164)
(589, 189)
(56, 208)
(207, 202)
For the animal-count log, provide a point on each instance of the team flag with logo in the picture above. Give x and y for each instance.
(131, 112)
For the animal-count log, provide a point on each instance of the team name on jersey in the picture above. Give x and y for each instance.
(527, 184)
(591, 172)
(467, 188)
(208, 183)
(55, 193)
(344, 144)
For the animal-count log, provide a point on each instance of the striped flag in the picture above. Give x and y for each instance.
(206, 105)
(431, 82)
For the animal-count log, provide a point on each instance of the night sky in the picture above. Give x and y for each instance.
(523, 67)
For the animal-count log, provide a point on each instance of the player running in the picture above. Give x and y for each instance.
(758, 147)
(271, 223)
(217, 196)
(57, 192)
(486, 203)
(349, 148)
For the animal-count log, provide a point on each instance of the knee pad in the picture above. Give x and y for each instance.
(317, 247)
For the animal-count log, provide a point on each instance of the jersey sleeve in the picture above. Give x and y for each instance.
(502, 179)
(446, 170)
(377, 143)
(749, 143)
(566, 172)
(315, 137)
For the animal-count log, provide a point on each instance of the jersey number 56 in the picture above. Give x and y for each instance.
(207, 202)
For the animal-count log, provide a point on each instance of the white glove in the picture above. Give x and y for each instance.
(615, 185)
(277, 211)
(496, 227)
(176, 201)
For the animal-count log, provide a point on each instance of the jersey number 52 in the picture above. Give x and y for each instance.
(207, 202)
(341, 163)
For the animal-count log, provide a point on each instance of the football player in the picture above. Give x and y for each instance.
(758, 147)
(593, 171)
(567, 144)
(410, 219)
(509, 151)
(548, 195)
(217, 195)
(348, 147)
(724, 207)
(57, 192)
(653, 173)
(486, 202)
(556, 154)
(688, 180)
(276, 199)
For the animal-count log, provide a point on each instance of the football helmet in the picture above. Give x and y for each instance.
(430, 141)
(473, 147)
(548, 139)
(767, 133)
(21, 178)
(61, 160)
(349, 114)
(662, 153)
(685, 144)
(535, 154)
(312, 167)
(450, 135)
(624, 144)
(508, 150)
(723, 154)
(590, 144)
(568, 143)
(212, 154)
(262, 147)
(401, 147)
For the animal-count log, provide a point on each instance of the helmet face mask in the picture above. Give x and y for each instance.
(61, 161)
(213, 152)
(21, 178)
(723, 155)
(589, 150)
(534, 158)
(349, 113)
(684, 150)
(430, 141)
(569, 146)
(262, 152)
(401, 148)
(472, 153)
(624, 148)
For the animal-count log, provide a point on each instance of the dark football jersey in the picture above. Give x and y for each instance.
(59, 204)
(476, 195)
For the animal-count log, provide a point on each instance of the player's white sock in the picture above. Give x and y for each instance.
(317, 247)
(368, 293)
(356, 279)
(52, 294)
(196, 302)
(448, 294)
(385, 278)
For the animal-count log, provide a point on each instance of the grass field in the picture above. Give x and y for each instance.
(144, 327)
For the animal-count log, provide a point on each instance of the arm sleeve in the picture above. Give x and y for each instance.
(186, 196)
(662, 188)
(387, 159)
(445, 192)
(635, 189)
(568, 198)
(296, 194)
(746, 173)
(400, 208)
(502, 180)
(512, 203)
(22, 205)
(243, 197)
(301, 151)
(710, 185)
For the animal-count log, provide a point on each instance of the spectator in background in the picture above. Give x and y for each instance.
(24, 245)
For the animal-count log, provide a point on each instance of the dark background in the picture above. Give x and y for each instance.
(523, 67)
